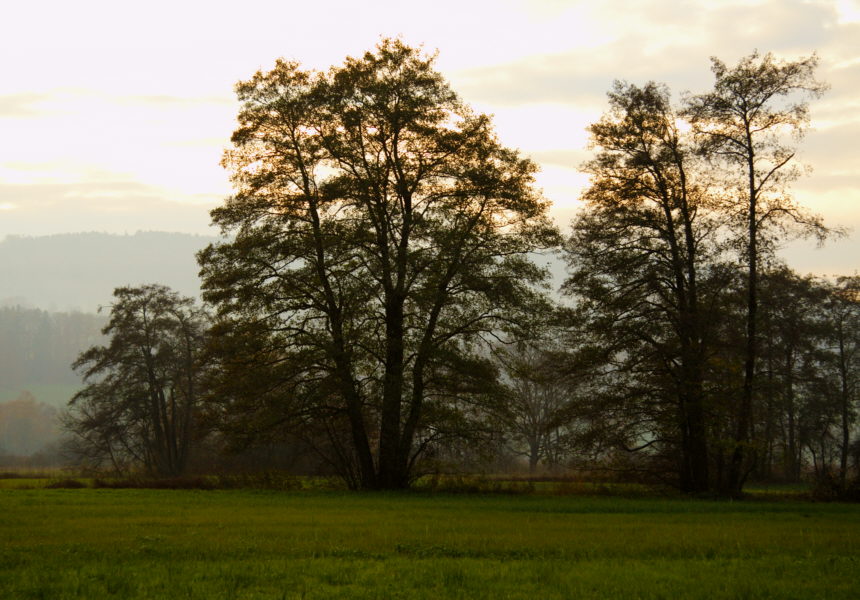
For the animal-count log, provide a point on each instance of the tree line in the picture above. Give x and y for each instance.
(37, 347)
(374, 299)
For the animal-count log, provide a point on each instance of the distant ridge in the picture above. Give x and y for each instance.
(79, 271)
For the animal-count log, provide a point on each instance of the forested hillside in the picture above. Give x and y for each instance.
(36, 379)
(37, 349)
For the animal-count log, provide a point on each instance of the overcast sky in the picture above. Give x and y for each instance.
(113, 115)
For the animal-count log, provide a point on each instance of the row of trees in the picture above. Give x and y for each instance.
(375, 295)
(680, 199)
(810, 363)
(629, 412)
(36, 347)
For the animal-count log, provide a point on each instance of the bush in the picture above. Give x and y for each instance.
(171, 483)
(828, 487)
(66, 484)
(472, 484)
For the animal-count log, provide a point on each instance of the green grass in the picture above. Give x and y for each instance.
(101, 543)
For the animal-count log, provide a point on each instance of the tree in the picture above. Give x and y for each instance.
(37, 347)
(143, 388)
(745, 125)
(381, 232)
(637, 255)
(537, 413)
(791, 364)
(26, 425)
(843, 312)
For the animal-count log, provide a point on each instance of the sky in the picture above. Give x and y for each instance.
(114, 115)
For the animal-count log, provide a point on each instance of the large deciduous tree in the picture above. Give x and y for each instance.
(745, 125)
(662, 209)
(142, 392)
(380, 231)
(638, 255)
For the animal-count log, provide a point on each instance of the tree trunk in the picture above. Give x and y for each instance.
(534, 454)
(845, 399)
(742, 447)
(698, 449)
(391, 463)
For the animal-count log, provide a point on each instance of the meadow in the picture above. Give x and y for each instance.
(144, 543)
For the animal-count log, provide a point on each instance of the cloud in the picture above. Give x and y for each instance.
(665, 42)
(832, 153)
(132, 92)
(842, 98)
(559, 78)
(21, 105)
(165, 143)
(163, 100)
(831, 182)
(570, 159)
(836, 257)
(782, 26)
(111, 195)
(114, 206)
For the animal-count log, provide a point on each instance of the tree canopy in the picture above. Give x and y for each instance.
(140, 402)
(745, 126)
(672, 211)
(377, 302)
(381, 232)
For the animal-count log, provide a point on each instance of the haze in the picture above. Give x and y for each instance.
(113, 118)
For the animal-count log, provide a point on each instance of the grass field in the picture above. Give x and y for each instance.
(103, 543)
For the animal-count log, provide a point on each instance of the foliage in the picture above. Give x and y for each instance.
(744, 127)
(381, 233)
(540, 411)
(26, 425)
(673, 193)
(37, 347)
(643, 268)
(843, 351)
(142, 391)
(804, 420)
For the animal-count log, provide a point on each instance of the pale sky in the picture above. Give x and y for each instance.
(114, 115)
